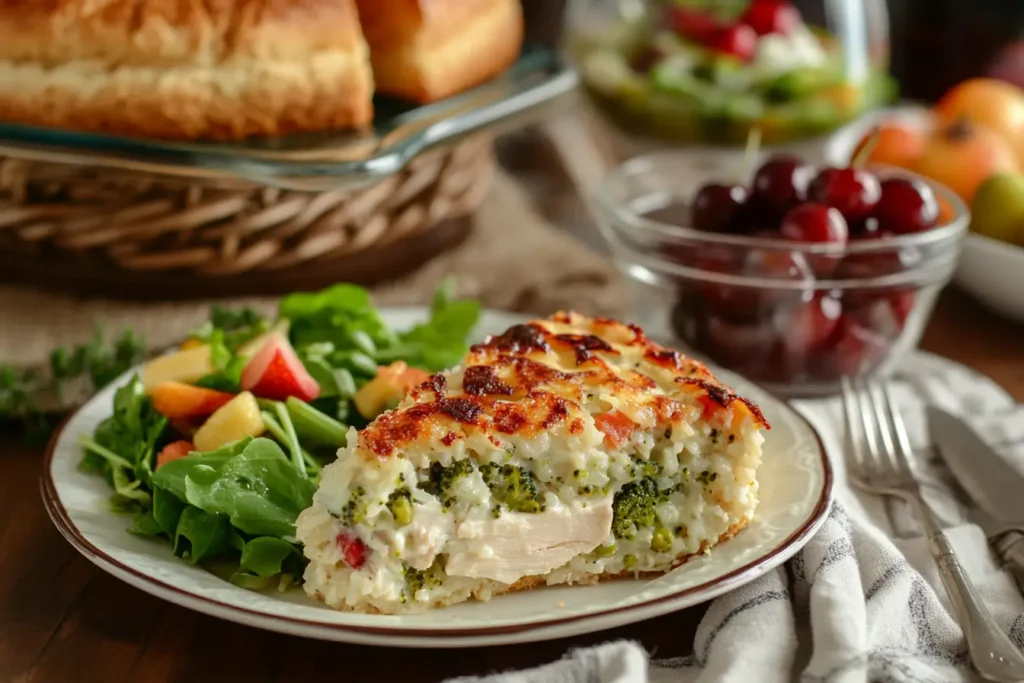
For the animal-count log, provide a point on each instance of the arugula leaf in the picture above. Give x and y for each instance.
(259, 490)
(440, 342)
(171, 477)
(167, 509)
(123, 446)
(342, 314)
(200, 535)
(234, 328)
(267, 556)
(145, 524)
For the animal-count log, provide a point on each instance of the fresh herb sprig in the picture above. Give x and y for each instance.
(35, 396)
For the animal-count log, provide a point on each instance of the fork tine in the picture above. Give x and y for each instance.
(854, 428)
(901, 451)
(879, 401)
(869, 419)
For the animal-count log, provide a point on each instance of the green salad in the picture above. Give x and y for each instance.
(217, 447)
(694, 71)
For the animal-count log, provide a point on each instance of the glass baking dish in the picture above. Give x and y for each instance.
(318, 161)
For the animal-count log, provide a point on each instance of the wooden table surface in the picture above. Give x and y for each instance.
(61, 619)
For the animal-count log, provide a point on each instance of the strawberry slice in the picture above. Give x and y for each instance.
(276, 373)
(179, 401)
(616, 427)
(174, 451)
(352, 549)
(693, 24)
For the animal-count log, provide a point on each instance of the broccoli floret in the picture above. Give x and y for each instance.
(707, 477)
(513, 487)
(355, 508)
(400, 505)
(633, 507)
(430, 578)
(442, 479)
(645, 468)
(661, 541)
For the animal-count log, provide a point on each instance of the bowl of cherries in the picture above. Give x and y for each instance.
(791, 275)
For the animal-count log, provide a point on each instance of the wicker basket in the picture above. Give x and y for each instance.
(115, 233)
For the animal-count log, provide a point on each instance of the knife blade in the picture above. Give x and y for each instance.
(991, 482)
(996, 488)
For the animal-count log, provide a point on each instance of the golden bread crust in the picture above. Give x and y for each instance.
(175, 32)
(184, 69)
(426, 50)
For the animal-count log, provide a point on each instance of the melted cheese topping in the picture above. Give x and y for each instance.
(552, 375)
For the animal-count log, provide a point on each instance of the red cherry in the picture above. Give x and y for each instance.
(886, 313)
(854, 191)
(814, 223)
(716, 207)
(867, 229)
(645, 59)
(810, 326)
(907, 205)
(738, 40)
(772, 16)
(852, 350)
(745, 346)
(779, 185)
(692, 24)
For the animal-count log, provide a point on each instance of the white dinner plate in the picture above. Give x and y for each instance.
(796, 492)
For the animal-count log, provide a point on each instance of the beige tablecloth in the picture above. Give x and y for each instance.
(513, 260)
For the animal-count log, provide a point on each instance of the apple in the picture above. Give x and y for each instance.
(276, 372)
(186, 366)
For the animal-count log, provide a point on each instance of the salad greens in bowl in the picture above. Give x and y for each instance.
(216, 447)
(689, 71)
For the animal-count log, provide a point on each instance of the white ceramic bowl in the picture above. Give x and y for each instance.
(990, 271)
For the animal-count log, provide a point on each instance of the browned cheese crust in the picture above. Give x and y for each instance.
(426, 50)
(184, 69)
(535, 376)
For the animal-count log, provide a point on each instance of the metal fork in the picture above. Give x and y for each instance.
(880, 463)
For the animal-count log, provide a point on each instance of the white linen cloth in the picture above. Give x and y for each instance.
(863, 600)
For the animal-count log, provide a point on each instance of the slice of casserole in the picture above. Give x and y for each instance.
(566, 450)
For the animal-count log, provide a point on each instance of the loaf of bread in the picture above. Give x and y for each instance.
(231, 69)
(425, 50)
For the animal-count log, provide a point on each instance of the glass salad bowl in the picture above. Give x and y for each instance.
(709, 71)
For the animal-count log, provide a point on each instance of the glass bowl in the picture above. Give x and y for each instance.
(794, 317)
(709, 71)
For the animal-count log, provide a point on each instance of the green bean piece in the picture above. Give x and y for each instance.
(356, 361)
(346, 383)
(362, 341)
(314, 424)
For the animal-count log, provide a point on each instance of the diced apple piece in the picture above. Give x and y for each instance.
(182, 366)
(238, 418)
(178, 400)
(276, 372)
(173, 451)
(388, 388)
(253, 346)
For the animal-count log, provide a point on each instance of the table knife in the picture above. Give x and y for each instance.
(993, 485)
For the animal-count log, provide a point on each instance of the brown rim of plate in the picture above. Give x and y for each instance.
(735, 578)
